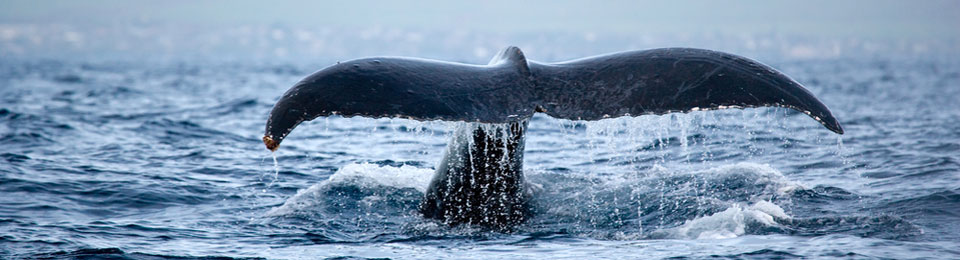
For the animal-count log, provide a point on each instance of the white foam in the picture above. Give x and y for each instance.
(363, 175)
(731, 222)
(367, 175)
(770, 209)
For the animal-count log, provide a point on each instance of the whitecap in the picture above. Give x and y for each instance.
(367, 175)
(731, 222)
(362, 175)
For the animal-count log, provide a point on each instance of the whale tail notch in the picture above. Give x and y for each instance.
(511, 56)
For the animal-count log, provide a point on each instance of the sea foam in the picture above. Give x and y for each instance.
(362, 175)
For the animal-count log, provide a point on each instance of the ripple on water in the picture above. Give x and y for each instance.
(122, 160)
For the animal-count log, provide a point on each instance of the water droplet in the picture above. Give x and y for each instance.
(276, 167)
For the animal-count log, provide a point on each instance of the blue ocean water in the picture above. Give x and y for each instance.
(122, 158)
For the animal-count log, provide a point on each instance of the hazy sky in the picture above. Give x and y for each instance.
(896, 19)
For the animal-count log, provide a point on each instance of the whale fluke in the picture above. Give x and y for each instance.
(669, 80)
(480, 179)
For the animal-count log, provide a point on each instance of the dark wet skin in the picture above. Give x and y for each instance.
(480, 179)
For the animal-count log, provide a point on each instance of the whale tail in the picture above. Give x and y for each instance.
(480, 179)
(511, 88)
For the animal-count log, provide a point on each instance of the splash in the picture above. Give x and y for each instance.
(665, 203)
(365, 176)
(372, 176)
(732, 222)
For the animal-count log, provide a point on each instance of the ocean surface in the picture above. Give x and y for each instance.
(122, 158)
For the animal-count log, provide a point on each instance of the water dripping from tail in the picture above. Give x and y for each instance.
(276, 169)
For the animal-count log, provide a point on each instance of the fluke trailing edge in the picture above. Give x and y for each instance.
(479, 180)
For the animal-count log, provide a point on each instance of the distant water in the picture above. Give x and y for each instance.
(163, 160)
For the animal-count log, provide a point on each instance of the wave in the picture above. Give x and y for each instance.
(722, 202)
(730, 223)
(365, 176)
